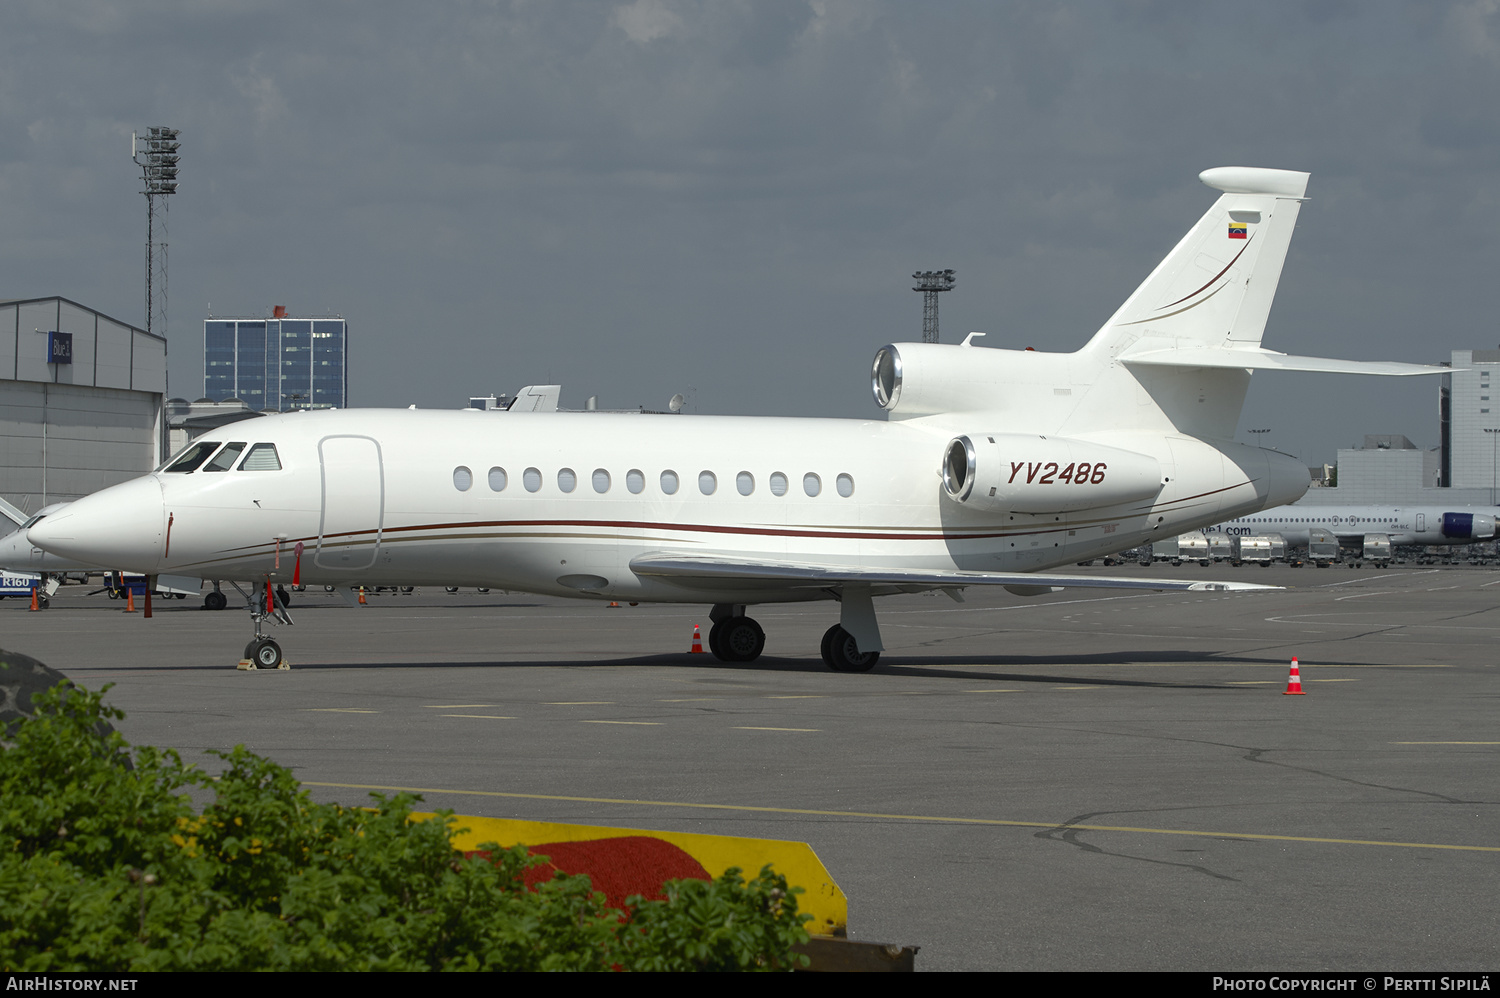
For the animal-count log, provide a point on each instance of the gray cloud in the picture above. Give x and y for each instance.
(636, 198)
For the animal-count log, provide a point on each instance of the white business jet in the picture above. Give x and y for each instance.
(990, 465)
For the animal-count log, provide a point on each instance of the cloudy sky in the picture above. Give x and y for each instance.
(727, 199)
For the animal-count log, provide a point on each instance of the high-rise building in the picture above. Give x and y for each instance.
(1471, 433)
(277, 364)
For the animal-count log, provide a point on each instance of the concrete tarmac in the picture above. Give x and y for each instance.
(1085, 781)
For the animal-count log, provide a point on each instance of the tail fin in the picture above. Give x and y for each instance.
(1216, 286)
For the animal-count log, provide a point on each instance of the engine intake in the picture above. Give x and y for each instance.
(1468, 526)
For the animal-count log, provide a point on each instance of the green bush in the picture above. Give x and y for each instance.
(108, 867)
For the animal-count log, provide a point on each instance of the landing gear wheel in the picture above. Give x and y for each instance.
(283, 597)
(265, 653)
(216, 601)
(841, 653)
(740, 639)
(715, 633)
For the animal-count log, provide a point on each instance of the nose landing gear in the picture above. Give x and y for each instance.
(263, 652)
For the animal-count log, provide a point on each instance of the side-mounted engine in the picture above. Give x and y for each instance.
(1468, 526)
(1026, 473)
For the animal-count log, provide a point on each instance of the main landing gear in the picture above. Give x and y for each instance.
(841, 652)
(734, 636)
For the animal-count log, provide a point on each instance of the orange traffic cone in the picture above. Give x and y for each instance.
(34, 604)
(612, 603)
(129, 600)
(1294, 681)
(362, 596)
(697, 648)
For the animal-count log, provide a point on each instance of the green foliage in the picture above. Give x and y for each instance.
(107, 866)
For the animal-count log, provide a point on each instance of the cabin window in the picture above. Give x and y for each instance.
(192, 457)
(745, 482)
(463, 478)
(262, 457)
(497, 480)
(812, 484)
(707, 483)
(532, 479)
(567, 479)
(778, 484)
(601, 481)
(845, 485)
(224, 460)
(635, 481)
(669, 482)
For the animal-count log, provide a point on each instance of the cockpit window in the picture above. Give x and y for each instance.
(193, 456)
(224, 460)
(262, 457)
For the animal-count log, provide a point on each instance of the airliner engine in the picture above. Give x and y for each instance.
(1025, 473)
(1468, 526)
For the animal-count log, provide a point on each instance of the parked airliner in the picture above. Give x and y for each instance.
(989, 465)
(1403, 524)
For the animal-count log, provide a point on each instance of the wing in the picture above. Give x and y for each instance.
(706, 570)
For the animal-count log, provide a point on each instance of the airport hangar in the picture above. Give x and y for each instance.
(81, 401)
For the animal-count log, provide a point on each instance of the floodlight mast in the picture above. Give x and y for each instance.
(156, 154)
(931, 283)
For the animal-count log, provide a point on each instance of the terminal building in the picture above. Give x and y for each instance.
(81, 401)
(277, 364)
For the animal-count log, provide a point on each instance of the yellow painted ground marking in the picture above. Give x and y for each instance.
(693, 700)
(575, 703)
(655, 723)
(1252, 836)
(747, 727)
(340, 710)
(493, 717)
(798, 696)
(990, 691)
(454, 706)
(1445, 743)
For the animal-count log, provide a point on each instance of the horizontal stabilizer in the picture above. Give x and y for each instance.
(1259, 359)
(790, 575)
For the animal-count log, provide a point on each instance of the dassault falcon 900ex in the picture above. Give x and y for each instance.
(989, 465)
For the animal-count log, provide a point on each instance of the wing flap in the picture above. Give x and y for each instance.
(690, 569)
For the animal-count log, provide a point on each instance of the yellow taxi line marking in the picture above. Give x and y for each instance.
(1445, 743)
(1199, 833)
(340, 710)
(747, 727)
(576, 703)
(989, 691)
(693, 700)
(454, 706)
(655, 723)
(798, 696)
(493, 717)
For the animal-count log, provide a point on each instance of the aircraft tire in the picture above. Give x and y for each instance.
(715, 633)
(741, 639)
(265, 653)
(216, 600)
(841, 652)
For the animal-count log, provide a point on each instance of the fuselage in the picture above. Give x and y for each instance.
(562, 502)
(1403, 524)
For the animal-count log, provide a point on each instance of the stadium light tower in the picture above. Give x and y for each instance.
(931, 283)
(156, 154)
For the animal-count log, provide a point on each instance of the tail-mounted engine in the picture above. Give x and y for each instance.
(1023, 473)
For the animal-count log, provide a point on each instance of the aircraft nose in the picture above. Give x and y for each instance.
(120, 527)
